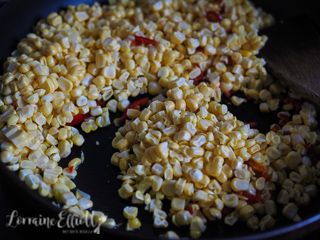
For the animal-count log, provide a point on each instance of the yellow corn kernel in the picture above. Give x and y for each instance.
(266, 222)
(32, 181)
(65, 85)
(178, 204)
(237, 101)
(134, 223)
(125, 191)
(130, 212)
(230, 200)
(214, 168)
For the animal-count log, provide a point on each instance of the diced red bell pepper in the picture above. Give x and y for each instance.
(138, 40)
(101, 103)
(79, 118)
(70, 169)
(229, 93)
(199, 78)
(311, 154)
(219, 1)
(201, 49)
(225, 211)
(189, 210)
(252, 124)
(15, 105)
(259, 169)
(229, 61)
(275, 128)
(76, 120)
(252, 198)
(297, 107)
(213, 16)
(284, 117)
(134, 105)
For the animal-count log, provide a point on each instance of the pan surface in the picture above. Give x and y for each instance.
(98, 177)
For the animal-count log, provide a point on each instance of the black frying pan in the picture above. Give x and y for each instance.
(97, 176)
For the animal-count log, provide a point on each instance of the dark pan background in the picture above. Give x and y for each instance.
(97, 176)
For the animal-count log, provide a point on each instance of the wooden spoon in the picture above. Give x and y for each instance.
(292, 53)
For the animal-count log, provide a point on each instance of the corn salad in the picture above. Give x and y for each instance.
(86, 61)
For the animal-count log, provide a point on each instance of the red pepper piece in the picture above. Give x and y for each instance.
(249, 97)
(252, 198)
(314, 161)
(138, 40)
(259, 169)
(297, 107)
(284, 117)
(213, 16)
(134, 105)
(219, 2)
(76, 120)
(225, 211)
(252, 124)
(308, 146)
(79, 118)
(229, 93)
(189, 210)
(199, 78)
(101, 103)
(311, 154)
(200, 49)
(275, 128)
(221, 85)
(86, 116)
(229, 61)
(70, 169)
(15, 105)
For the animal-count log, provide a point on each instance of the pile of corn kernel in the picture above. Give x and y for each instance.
(185, 145)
